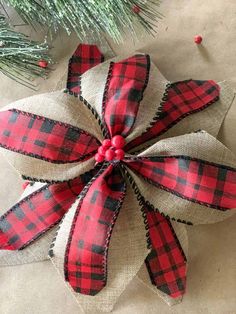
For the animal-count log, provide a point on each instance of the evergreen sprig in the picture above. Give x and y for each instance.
(20, 56)
(90, 17)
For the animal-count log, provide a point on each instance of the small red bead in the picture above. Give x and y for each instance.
(110, 154)
(136, 9)
(43, 64)
(25, 184)
(118, 141)
(99, 158)
(106, 143)
(102, 150)
(120, 154)
(198, 39)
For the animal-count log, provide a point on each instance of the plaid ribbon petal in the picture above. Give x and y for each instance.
(86, 254)
(38, 212)
(166, 263)
(124, 90)
(180, 100)
(45, 139)
(196, 180)
(84, 58)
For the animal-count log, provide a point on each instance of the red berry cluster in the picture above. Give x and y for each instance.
(111, 149)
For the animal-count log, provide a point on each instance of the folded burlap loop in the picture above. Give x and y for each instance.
(38, 251)
(200, 146)
(56, 106)
(127, 252)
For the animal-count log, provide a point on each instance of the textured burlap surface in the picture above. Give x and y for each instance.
(37, 288)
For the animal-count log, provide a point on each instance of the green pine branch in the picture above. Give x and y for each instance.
(90, 17)
(19, 56)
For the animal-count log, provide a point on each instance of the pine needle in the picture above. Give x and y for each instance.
(93, 17)
(19, 56)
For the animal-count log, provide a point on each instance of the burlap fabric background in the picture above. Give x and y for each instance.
(37, 288)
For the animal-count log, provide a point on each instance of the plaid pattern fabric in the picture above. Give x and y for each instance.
(102, 193)
(166, 263)
(38, 212)
(197, 180)
(126, 83)
(86, 255)
(181, 99)
(84, 58)
(44, 138)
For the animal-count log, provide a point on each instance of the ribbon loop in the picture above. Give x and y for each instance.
(38, 212)
(44, 138)
(196, 180)
(166, 263)
(84, 58)
(180, 100)
(87, 247)
(124, 90)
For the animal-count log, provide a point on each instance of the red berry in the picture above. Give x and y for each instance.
(110, 154)
(99, 158)
(118, 141)
(198, 39)
(25, 184)
(106, 143)
(102, 150)
(120, 154)
(136, 9)
(43, 64)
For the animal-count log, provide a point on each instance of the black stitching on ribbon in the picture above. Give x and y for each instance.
(159, 112)
(93, 111)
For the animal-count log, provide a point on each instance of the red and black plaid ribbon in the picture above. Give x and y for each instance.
(38, 212)
(197, 180)
(84, 58)
(166, 263)
(180, 100)
(43, 138)
(102, 193)
(126, 83)
(87, 247)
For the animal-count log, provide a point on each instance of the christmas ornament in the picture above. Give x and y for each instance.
(198, 39)
(121, 172)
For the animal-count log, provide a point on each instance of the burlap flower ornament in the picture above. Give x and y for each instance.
(121, 163)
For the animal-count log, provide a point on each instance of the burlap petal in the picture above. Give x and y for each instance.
(37, 169)
(144, 277)
(209, 119)
(93, 85)
(151, 101)
(35, 252)
(128, 249)
(199, 145)
(61, 107)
